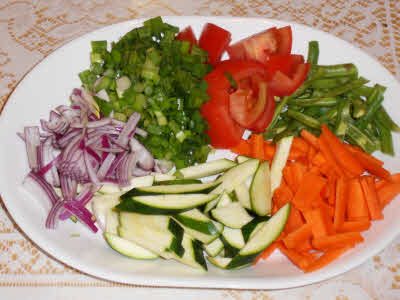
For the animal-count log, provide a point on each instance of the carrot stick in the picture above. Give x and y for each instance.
(293, 239)
(257, 146)
(295, 220)
(300, 144)
(282, 195)
(332, 188)
(358, 152)
(310, 188)
(267, 252)
(371, 197)
(352, 226)
(387, 193)
(329, 210)
(319, 160)
(380, 183)
(304, 246)
(298, 171)
(326, 258)
(337, 241)
(341, 203)
(330, 158)
(343, 156)
(357, 208)
(269, 151)
(295, 257)
(310, 155)
(242, 148)
(310, 138)
(319, 221)
(295, 154)
(395, 177)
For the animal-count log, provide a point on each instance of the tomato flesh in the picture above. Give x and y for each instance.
(285, 39)
(284, 85)
(214, 40)
(286, 63)
(244, 108)
(187, 35)
(263, 121)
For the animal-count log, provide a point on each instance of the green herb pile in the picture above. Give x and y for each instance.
(150, 72)
(336, 96)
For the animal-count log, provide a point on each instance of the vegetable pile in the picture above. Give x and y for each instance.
(150, 72)
(336, 191)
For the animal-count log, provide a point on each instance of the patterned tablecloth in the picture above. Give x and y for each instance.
(31, 29)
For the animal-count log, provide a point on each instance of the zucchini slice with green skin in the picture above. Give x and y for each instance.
(233, 241)
(159, 234)
(196, 188)
(279, 161)
(214, 248)
(260, 190)
(196, 220)
(110, 188)
(159, 177)
(202, 237)
(224, 200)
(250, 228)
(205, 169)
(101, 204)
(128, 248)
(268, 233)
(220, 261)
(163, 204)
(242, 158)
(242, 193)
(178, 181)
(232, 215)
(193, 255)
(213, 203)
(235, 176)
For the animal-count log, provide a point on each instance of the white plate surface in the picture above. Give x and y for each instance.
(50, 84)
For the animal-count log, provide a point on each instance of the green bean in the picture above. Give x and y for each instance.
(329, 83)
(307, 102)
(343, 114)
(278, 109)
(304, 119)
(385, 138)
(359, 108)
(340, 70)
(292, 129)
(329, 115)
(270, 134)
(346, 87)
(386, 120)
(363, 91)
(313, 52)
(313, 75)
(374, 102)
(360, 138)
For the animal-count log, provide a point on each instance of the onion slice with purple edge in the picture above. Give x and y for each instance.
(78, 146)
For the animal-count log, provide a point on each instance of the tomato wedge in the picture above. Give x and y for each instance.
(285, 38)
(244, 108)
(214, 40)
(187, 35)
(286, 63)
(284, 85)
(263, 121)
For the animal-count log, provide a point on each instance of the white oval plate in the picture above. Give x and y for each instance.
(50, 84)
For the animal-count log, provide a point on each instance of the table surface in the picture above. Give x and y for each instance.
(30, 30)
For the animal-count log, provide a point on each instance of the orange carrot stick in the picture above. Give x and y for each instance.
(295, 257)
(293, 239)
(242, 148)
(371, 197)
(310, 188)
(387, 193)
(326, 258)
(310, 155)
(337, 241)
(300, 144)
(357, 208)
(320, 223)
(295, 220)
(341, 203)
(257, 146)
(343, 156)
(330, 158)
(310, 138)
(352, 226)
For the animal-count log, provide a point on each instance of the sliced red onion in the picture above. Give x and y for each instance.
(93, 153)
(93, 124)
(139, 172)
(102, 94)
(68, 187)
(47, 155)
(90, 170)
(52, 217)
(115, 163)
(37, 185)
(144, 157)
(64, 140)
(32, 142)
(124, 170)
(81, 212)
(105, 166)
(130, 126)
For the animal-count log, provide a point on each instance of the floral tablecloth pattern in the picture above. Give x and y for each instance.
(30, 30)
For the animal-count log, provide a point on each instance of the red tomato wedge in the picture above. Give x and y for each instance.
(286, 63)
(214, 40)
(283, 85)
(187, 35)
(263, 121)
(244, 108)
(285, 38)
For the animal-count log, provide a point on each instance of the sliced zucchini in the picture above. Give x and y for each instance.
(213, 203)
(101, 204)
(159, 177)
(220, 261)
(279, 161)
(232, 215)
(214, 248)
(235, 176)
(260, 190)
(196, 188)
(233, 241)
(163, 204)
(194, 255)
(198, 221)
(179, 181)
(112, 222)
(202, 237)
(250, 228)
(268, 233)
(128, 248)
(159, 234)
(205, 169)
(224, 200)
(242, 158)
(242, 194)
(110, 188)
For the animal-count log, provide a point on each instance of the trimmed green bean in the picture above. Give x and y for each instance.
(343, 114)
(307, 102)
(386, 120)
(385, 138)
(347, 87)
(339, 70)
(359, 108)
(330, 83)
(360, 138)
(329, 115)
(304, 119)
(313, 52)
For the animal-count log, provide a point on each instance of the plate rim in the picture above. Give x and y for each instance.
(233, 282)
